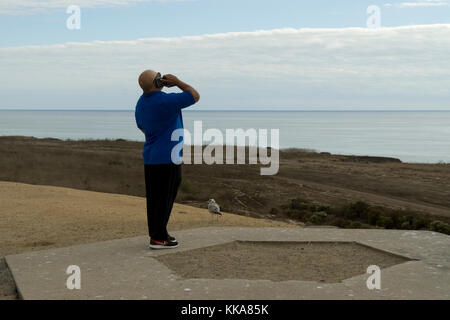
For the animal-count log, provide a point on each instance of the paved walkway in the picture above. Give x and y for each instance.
(126, 269)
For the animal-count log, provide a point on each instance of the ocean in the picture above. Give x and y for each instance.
(411, 136)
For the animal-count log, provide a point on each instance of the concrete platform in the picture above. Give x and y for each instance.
(126, 269)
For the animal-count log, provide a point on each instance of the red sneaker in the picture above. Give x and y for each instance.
(162, 244)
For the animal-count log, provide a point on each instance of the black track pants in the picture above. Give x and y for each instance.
(161, 185)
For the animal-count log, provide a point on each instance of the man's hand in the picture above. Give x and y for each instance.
(170, 80)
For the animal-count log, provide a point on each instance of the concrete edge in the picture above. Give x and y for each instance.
(19, 292)
(363, 243)
(388, 251)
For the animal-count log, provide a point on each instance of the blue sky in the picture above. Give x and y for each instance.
(249, 54)
(180, 18)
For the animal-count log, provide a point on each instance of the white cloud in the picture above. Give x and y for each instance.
(418, 4)
(19, 7)
(399, 66)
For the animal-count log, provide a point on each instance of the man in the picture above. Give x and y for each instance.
(158, 114)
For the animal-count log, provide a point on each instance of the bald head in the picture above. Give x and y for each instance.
(146, 80)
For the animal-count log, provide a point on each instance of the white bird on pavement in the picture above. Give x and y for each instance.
(214, 208)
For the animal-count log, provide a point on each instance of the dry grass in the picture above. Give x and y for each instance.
(41, 217)
(117, 167)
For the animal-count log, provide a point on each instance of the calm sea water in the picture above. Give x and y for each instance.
(412, 136)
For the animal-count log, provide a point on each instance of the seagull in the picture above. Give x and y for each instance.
(214, 208)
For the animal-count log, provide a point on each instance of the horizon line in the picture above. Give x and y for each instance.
(244, 110)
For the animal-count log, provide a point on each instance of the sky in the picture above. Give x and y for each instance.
(247, 54)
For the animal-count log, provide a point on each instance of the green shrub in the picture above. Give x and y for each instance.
(358, 209)
(435, 225)
(338, 222)
(349, 214)
(324, 208)
(298, 215)
(313, 207)
(419, 223)
(335, 211)
(359, 214)
(405, 225)
(446, 229)
(385, 222)
(372, 217)
(355, 225)
(298, 204)
(318, 217)
(396, 220)
(440, 226)
(408, 219)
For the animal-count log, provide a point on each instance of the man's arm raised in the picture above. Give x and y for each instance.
(170, 81)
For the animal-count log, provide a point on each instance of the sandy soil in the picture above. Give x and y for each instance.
(329, 262)
(40, 217)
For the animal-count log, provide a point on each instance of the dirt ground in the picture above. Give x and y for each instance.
(41, 217)
(117, 167)
(329, 262)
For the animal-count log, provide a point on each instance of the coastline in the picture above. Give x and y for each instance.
(405, 135)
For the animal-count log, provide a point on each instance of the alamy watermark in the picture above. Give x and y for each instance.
(374, 280)
(73, 22)
(74, 279)
(374, 20)
(258, 147)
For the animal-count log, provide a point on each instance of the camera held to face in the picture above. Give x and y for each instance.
(159, 83)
